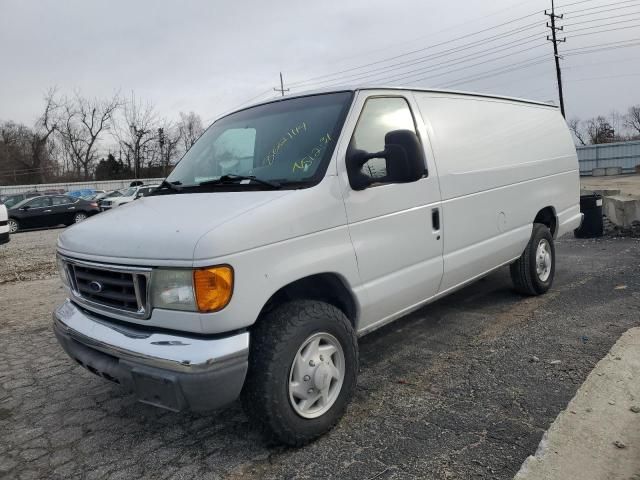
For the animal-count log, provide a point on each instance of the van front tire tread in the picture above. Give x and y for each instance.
(274, 342)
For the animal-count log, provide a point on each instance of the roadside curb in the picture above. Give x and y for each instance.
(598, 435)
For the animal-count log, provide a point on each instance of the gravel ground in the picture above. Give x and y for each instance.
(463, 388)
(29, 256)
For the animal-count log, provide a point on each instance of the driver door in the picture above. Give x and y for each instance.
(37, 213)
(394, 227)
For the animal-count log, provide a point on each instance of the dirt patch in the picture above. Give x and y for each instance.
(29, 256)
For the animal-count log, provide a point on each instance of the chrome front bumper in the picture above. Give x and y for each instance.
(162, 369)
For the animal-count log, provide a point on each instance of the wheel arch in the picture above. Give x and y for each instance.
(547, 216)
(329, 287)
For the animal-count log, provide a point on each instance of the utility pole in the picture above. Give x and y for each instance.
(552, 16)
(281, 89)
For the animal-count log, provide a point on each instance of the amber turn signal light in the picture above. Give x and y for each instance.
(213, 287)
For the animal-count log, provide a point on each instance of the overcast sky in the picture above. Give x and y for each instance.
(210, 56)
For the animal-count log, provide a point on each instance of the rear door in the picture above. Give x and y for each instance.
(63, 209)
(394, 227)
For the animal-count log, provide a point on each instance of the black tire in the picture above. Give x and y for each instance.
(524, 272)
(12, 229)
(275, 341)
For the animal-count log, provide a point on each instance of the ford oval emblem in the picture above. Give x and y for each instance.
(96, 287)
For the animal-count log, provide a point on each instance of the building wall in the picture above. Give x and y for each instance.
(622, 154)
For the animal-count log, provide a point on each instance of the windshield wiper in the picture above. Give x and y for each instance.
(232, 179)
(172, 186)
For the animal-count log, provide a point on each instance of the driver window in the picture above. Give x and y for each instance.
(379, 117)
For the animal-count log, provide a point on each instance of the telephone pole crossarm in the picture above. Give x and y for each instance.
(281, 89)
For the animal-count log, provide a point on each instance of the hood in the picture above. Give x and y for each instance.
(165, 227)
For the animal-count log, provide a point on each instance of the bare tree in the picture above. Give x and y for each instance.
(189, 128)
(26, 153)
(632, 120)
(600, 130)
(168, 139)
(136, 131)
(574, 126)
(81, 124)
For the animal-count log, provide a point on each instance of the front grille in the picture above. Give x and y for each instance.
(111, 288)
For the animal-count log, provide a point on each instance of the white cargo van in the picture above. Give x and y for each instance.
(4, 226)
(293, 226)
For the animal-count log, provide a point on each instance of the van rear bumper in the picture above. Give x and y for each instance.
(165, 370)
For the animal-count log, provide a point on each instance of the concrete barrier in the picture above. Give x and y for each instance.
(622, 210)
(610, 171)
(598, 172)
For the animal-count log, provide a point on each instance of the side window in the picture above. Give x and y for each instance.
(379, 117)
(39, 202)
(61, 200)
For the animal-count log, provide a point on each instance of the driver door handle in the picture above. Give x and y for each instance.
(47, 211)
(435, 219)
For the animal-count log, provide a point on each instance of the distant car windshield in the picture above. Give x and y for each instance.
(130, 192)
(287, 141)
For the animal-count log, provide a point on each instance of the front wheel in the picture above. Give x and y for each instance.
(302, 371)
(533, 272)
(13, 225)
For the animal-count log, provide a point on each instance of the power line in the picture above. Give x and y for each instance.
(412, 52)
(447, 63)
(601, 31)
(452, 27)
(373, 73)
(603, 25)
(634, 3)
(498, 71)
(575, 3)
(600, 48)
(404, 77)
(598, 7)
(600, 19)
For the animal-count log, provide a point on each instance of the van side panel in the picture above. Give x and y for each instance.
(499, 162)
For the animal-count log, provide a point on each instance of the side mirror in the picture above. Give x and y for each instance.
(404, 160)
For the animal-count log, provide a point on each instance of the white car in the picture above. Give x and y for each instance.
(128, 195)
(296, 225)
(4, 227)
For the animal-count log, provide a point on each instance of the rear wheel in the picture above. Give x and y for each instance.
(533, 272)
(79, 217)
(302, 371)
(13, 225)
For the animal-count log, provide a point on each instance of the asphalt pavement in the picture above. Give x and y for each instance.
(464, 388)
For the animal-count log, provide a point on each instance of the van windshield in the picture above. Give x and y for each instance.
(286, 142)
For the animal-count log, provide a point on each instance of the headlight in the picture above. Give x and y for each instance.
(203, 289)
(62, 270)
(173, 289)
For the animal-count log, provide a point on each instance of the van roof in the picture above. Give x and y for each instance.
(353, 88)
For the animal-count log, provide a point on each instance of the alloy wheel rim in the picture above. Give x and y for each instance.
(543, 260)
(13, 226)
(316, 375)
(80, 217)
